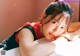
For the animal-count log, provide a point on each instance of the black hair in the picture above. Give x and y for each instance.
(58, 7)
(56, 0)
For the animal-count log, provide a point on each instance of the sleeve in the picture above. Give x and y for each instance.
(32, 30)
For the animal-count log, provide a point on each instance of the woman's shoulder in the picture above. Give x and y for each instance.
(25, 34)
(29, 30)
(31, 23)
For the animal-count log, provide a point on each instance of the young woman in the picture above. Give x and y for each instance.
(54, 23)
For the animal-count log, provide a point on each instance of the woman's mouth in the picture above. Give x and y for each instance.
(52, 35)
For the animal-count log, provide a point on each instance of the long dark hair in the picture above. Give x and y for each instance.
(56, 8)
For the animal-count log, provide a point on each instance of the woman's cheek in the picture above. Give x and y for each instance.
(59, 32)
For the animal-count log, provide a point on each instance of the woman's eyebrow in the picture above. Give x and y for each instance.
(56, 20)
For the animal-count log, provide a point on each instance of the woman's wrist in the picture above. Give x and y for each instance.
(66, 36)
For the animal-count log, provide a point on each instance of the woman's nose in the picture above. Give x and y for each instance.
(55, 28)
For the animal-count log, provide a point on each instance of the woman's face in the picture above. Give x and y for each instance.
(55, 27)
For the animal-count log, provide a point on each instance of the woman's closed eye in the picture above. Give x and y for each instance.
(54, 22)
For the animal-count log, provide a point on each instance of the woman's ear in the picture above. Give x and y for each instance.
(43, 16)
(42, 21)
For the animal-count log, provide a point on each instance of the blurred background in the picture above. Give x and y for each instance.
(14, 13)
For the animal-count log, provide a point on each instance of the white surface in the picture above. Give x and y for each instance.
(13, 52)
(63, 47)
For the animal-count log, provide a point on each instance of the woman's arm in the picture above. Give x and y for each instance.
(74, 26)
(27, 47)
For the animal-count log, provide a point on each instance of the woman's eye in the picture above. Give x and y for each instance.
(62, 27)
(53, 22)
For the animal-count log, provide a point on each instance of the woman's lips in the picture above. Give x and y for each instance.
(52, 35)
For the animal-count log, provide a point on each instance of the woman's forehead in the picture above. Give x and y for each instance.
(58, 17)
(61, 17)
